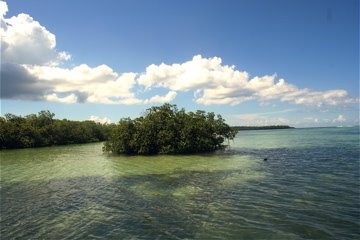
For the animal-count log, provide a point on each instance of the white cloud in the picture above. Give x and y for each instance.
(211, 82)
(340, 119)
(3, 8)
(30, 46)
(79, 74)
(71, 98)
(162, 99)
(100, 84)
(25, 41)
(97, 119)
(214, 83)
(195, 74)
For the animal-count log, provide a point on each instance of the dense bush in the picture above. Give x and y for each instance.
(166, 129)
(43, 130)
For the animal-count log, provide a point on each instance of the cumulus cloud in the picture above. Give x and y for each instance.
(195, 74)
(215, 83)
(97, 119)
(162, 99)
(25, 41)
(96, 85)
(18, 83)
(71, 98)
(31, 71)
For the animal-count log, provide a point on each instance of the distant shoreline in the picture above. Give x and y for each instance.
(272, 127)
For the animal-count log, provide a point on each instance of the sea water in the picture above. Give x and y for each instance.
(307, 189)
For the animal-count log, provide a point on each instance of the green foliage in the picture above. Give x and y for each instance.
(165, 129)
(43, 130)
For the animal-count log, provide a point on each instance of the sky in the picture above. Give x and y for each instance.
(255, 62)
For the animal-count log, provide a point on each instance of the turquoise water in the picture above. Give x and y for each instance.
(308, 189)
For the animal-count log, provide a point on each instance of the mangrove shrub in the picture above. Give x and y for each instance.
(165, 129)
(39, 130)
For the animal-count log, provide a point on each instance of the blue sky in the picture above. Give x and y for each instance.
(254, 62)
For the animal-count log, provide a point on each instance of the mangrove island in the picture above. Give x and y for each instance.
(167, 130)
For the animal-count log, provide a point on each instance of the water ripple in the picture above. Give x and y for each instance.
(307, 190)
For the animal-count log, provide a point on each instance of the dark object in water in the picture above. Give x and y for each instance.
(265, 159)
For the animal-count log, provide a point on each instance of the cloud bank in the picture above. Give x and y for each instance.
(215, 83)
(32, 69)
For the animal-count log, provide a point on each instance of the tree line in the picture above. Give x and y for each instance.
(241, 128)
(162, 129)
(166, 129)
(39, 130)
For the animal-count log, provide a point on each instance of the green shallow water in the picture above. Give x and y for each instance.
(308, 189)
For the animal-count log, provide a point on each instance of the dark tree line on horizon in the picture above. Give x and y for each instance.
(241, 128)
(40, 130)
(167, 130)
